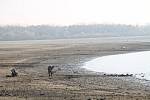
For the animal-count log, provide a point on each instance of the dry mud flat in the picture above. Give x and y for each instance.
(71, 82)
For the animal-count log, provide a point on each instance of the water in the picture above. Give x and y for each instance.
(131, 63)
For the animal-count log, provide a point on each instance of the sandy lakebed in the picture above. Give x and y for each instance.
(71, 81)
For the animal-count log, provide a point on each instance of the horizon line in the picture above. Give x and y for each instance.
(58, 25)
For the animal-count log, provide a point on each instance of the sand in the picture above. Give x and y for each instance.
(70, 81)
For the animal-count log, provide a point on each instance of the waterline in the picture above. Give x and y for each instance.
(131, 63)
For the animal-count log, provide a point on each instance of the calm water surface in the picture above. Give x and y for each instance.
(132, 63)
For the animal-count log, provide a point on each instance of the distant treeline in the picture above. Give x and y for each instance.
(74, 31)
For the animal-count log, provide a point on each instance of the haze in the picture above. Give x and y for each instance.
(68, 12)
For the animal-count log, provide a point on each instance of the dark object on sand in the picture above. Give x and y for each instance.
(119, 75)
(14, 73)
(50, 68)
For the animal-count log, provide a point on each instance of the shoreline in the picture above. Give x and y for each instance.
(69, 58)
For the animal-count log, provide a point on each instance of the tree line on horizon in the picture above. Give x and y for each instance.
(42, 32)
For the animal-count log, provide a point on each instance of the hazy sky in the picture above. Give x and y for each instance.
(66, 12)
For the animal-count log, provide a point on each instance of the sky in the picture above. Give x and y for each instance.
(68, 12)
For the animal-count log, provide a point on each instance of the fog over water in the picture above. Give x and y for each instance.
(132, 63)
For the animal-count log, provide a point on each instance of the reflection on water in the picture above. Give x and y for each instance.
(132, 63)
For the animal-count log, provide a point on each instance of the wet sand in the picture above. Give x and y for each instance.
(71, 81)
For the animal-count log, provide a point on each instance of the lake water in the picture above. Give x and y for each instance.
(131, 63)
